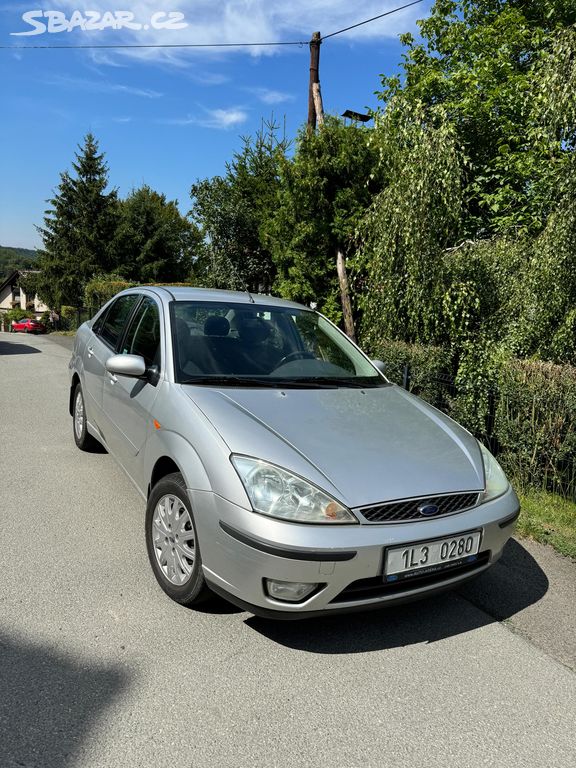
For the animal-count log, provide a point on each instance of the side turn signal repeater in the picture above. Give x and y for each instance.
(157, 424)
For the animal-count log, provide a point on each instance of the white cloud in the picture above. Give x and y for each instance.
(271, 97)
(234, 21)
(219, 119)
(209, 78)
(101, 86)
(225, 118)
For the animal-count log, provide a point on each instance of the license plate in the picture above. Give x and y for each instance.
(430, 556)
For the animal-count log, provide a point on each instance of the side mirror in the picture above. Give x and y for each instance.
(379, 365)
(126, 365)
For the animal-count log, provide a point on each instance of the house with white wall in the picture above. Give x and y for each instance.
(13, 296)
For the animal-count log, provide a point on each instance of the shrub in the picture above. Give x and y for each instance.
(430, 368)
(475, 388)
(101, 289)
(16, 314)
(535, 424)
(525, 411)
(68, 318)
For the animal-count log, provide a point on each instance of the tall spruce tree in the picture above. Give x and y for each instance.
(78, 230)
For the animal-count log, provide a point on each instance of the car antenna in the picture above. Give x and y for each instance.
(241, 280)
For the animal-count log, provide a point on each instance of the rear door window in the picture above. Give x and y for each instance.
(143, 336)
(116, 317)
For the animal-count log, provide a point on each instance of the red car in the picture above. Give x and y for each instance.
(28, 325)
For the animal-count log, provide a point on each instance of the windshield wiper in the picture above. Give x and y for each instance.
(344, 383)
(304, 382)
(220, 381)
(264, 382)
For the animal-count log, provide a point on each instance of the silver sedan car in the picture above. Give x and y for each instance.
(280, 468)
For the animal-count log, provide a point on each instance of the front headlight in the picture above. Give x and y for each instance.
(278, 493)
(496, 483)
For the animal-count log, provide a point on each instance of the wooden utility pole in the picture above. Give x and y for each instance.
(318, 104)
(316, 116)
(345, 296)
(315, 44)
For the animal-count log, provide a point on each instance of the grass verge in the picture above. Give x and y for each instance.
(550, 519)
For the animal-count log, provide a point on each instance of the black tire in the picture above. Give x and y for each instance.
(193, 590)
(82, 437)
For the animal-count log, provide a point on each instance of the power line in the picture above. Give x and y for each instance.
(300, 43)
(369, 21)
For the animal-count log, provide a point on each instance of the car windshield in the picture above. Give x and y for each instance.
(231, 344)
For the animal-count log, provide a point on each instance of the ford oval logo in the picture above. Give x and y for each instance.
(428, 510)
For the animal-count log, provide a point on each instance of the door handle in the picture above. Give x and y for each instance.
(90, 351)
(112, 378)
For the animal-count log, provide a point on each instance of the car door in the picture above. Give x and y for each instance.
(128, 402)
(100, 345)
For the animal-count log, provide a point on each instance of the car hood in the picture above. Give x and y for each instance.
(364, 446)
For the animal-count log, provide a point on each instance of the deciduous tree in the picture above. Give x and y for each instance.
(325, 190)
(153, 241)
(232, 212)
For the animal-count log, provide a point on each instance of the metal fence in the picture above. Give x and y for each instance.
(72, 320)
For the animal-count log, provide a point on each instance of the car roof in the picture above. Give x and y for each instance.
(184, 293)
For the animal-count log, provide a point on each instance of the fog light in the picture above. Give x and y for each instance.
(289, 591)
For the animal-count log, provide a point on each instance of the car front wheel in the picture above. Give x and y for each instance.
(82, 437)
(172, 542)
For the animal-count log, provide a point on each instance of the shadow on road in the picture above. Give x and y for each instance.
(14, 348)
(49, 702)
(512, 584)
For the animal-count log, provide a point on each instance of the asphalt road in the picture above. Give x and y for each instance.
(98, 668)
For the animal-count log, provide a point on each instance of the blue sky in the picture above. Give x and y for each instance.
(166, 117)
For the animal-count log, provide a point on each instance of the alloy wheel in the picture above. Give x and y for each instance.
(173, 539)
(79, 415)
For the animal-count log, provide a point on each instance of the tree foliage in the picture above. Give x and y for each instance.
(78, 230)
(232, 212)
(16, 258)
(411, 221)
(482, 60)
(324, 192)
(471, 242)
(153, 241)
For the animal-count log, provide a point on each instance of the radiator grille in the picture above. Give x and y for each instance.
(407, 509)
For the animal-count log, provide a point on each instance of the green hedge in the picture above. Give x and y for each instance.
(430, 368)
(535, 424)
(529, 418)
(100, 289)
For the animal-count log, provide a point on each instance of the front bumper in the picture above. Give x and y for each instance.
(241, 549)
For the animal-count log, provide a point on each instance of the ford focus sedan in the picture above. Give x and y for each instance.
(279, 467)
